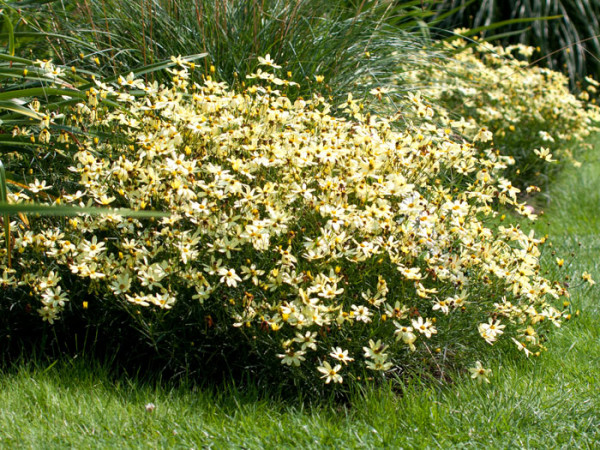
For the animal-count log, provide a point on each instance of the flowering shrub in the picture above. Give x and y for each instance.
(324, 247)
(528, 109)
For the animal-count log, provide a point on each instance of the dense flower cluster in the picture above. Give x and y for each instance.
(528, 109)
(336, 245)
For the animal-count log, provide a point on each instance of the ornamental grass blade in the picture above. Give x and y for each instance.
(9, 140)
(11, 35)
(57, 210)
(166, 63)
(11, 106)
(40, 92)
(150, 68)
(500, 36)
(35, 4)
(504, 23)
(15, 59)
(495, 37)
(44, 35)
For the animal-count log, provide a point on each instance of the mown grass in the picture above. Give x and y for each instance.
(550, 401)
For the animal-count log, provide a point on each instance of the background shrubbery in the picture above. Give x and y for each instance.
(569, 43)
(533, 116)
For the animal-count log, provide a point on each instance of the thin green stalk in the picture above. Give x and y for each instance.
(57, 210)
(5, 216)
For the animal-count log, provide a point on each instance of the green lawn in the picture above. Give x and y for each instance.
(550, 401)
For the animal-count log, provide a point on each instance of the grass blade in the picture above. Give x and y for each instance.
(56, 210)
(504, 23)
(11, 35)
(161, 65)
(15, 59)
(5, 214)
(10, 106)
(40, 92)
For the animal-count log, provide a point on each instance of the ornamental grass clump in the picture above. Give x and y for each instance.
(533, 116)
(302, 246)
(348, 45)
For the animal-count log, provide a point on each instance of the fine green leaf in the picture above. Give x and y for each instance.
(499, 36)
(43, 35)
(504, 23)
(15, 59)
(158, 66)
(11, 35)
(57, 210)
(11, 106)
(40, 92)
